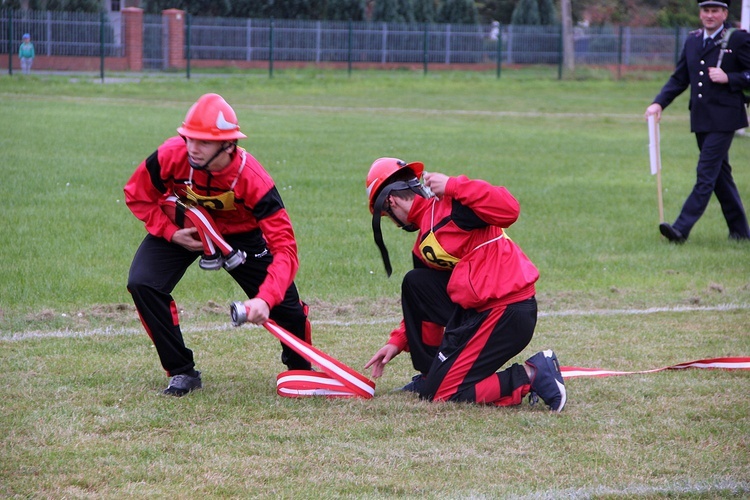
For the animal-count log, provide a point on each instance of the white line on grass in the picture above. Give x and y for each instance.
(375, 321)
(714, 489)
(353, 109)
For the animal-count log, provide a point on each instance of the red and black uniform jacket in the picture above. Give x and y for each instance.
(468, 223)
(258, 206)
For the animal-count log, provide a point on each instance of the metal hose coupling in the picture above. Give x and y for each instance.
(238, 312)
(211, 262)
(234, 259)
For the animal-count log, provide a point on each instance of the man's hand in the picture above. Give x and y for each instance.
(717, 75)
(653, 109)
(188, 238)
(436, 182)
(381, 358)
(257, 311)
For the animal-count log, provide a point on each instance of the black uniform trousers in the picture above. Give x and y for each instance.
(424, 297)
(714, 175)
(159, 265)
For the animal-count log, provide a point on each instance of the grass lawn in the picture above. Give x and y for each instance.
(82, 414)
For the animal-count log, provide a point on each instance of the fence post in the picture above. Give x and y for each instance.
(499, 50)
(49, 33)
(619, 54)
(448, 44)
(627, 46)
(249, 51)
(10, 39)
(425, 47)
(676, 44)
(270, 51)
(101, 45)
(384, 56)
(560, 55)
(349, 51)
(188, 55)
(318, 34)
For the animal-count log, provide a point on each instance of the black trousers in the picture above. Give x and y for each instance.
(475, 344)
(714, 175)
(159, 265)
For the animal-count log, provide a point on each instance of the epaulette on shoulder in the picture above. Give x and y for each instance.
(696, 33)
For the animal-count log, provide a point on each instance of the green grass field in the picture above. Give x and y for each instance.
(82, 414)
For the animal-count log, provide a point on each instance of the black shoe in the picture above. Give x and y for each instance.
(548, 382)
(181, 384)
(738, 237)
(670, 233)
(416, 385)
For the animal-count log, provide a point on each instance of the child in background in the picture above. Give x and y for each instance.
(26, 54)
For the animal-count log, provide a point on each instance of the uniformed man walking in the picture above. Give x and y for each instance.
(715, 64)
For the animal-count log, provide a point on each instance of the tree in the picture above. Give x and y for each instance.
(194, 7)
(569, 57)
(16, 5)
(495, 10)
(678, 13)
(526, 13)
(250, 8)
(344, 10)
(65, 5)
(457, 12)
(295, 9)
(393, 11)
(547, 12)
(424, 11)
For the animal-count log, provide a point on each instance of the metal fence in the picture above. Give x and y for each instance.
(62, 33)
(155, 36)
(332, 41)
(231, 39)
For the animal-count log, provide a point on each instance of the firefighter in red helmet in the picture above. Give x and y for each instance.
(469, 303)
(204, 167)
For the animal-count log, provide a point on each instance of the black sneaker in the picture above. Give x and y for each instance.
(416, 385)
(548, 381)
(181, 384)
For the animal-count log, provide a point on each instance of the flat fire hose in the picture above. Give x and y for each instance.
(737, 363)
(335, 381)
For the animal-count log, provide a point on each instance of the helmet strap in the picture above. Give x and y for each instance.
(379, 208)
(222, 149)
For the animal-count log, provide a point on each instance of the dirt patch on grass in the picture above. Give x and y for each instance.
(211, 312)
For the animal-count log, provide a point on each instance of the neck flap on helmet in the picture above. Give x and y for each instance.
(379, 207)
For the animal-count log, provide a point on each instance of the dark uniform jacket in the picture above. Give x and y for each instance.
(714, 107)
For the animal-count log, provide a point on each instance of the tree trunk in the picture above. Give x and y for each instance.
(569, 63)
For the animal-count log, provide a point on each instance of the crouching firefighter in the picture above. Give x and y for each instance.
(200, 195)
(469, 304)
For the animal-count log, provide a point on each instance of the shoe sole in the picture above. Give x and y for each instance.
(669, 233)
(563, 398)
(180, 392)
